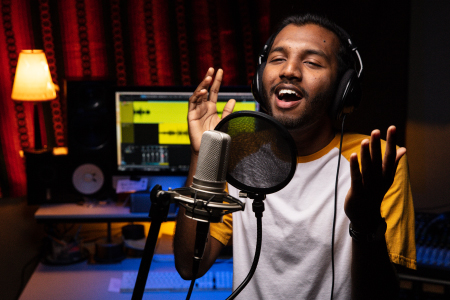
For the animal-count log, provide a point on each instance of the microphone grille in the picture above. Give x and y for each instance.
(213, 156)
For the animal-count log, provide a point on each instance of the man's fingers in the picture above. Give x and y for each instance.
(201, 92)
(204, 85)
(196, 98)
(375, 151)
(215, 87)
(366, 161)
(400, 153)
(390, 155)
(355, 173)
(228, 109)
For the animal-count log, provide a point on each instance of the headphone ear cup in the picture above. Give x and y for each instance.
(257, 86)
(348, 95)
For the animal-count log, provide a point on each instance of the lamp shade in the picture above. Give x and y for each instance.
(33, 81)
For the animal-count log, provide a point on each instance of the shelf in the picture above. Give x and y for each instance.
(89, 213)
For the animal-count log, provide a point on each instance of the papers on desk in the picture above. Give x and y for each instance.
(114, 285)
(130, 186)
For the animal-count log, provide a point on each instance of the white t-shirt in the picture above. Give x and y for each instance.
(295, 261)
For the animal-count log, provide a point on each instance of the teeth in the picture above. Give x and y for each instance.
(287, 91)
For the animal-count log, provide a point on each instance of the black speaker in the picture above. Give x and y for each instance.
(91, 136)
(47, 177)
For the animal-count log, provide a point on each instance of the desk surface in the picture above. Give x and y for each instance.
(92, 281)
(72, 212)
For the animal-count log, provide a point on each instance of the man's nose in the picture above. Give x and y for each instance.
(291, 70)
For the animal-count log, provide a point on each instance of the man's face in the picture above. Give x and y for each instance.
(300, 75)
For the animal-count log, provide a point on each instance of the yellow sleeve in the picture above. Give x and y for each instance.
(397, 207)
(222, 231)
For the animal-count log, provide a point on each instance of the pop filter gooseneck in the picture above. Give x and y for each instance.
(263, 160)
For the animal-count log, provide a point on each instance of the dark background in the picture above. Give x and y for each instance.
(381, 31)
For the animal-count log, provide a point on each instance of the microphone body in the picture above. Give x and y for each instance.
(206, 200)
(212, 161)
(209, 181)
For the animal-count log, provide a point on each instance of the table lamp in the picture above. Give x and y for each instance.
(33, 82)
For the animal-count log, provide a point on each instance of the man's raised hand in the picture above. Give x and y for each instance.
(370, 184)
(202, 113)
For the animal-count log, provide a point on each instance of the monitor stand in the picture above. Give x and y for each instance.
(109, 250)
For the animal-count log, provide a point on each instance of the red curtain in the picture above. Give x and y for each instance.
(135, 42)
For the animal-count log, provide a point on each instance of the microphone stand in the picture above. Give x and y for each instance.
(159, 210)
(200, 243)
(258, 208)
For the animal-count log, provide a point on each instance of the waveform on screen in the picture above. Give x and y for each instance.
(174, 137)
(172, 132)
(141, 112)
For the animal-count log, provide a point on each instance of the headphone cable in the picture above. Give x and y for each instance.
(335, 207)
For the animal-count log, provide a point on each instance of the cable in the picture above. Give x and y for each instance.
(191, 287)
(258, 208)
(335, 208)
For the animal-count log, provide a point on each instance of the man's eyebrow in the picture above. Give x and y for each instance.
(307, 51)
(277, 49)
(317, 52)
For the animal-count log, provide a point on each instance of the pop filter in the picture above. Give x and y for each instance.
(263, 155)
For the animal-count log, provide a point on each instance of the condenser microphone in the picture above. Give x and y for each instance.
(208, 184)
(209, 181)
(212, 161)
(206, 199)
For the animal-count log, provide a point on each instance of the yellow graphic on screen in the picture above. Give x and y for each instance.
(173, 133)
(169, 116)
(237, 107)
(159, 112)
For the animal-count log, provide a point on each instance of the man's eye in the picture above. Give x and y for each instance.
(278, 59)
(312, 63)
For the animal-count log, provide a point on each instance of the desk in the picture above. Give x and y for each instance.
(91, 281)
(76, 213)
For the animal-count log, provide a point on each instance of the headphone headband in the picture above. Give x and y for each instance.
(353, 49)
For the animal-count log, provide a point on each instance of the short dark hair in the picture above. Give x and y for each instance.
(344, 54)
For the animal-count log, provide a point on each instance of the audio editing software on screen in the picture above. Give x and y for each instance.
(152, 131)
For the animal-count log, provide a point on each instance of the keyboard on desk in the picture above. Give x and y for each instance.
(171, 281)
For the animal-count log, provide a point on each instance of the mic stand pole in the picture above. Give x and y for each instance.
(258, 208)
(200, 242)
(159, 210)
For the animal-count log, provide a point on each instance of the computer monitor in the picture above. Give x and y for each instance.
(152, 131)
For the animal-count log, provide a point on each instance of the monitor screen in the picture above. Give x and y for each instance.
(152, 131)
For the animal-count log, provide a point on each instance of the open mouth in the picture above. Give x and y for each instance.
(288, 96)
(285, 94)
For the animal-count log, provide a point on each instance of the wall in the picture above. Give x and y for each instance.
(428, 125)
(21, 240)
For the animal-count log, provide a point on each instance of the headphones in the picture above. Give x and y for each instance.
(348, 92)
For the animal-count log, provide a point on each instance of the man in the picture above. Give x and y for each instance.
(300, 78)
